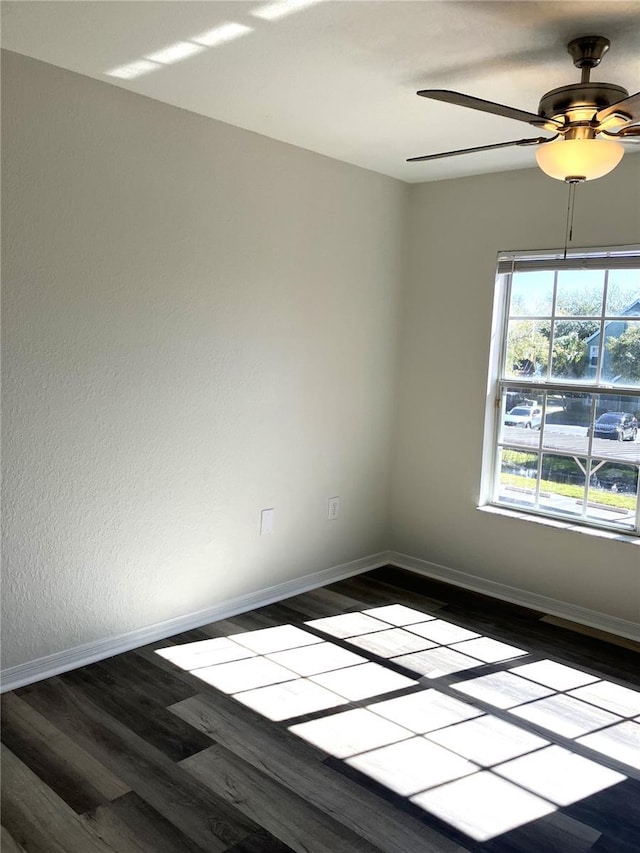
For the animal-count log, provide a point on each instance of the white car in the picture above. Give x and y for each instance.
(527, 417)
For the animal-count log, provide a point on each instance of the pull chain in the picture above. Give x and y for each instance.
(570, 207)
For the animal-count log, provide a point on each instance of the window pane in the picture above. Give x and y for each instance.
(518, 470)
(572, 353)
(623, 293)
(527, 352)
(615, 428)
(580, 293)
(621, 356)
(567, 422)
(531, 294)
(562, 484)
(521, 418)
(613, 493)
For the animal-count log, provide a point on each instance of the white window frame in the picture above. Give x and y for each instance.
(622, 257)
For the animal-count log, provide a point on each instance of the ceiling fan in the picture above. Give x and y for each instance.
(589, 119)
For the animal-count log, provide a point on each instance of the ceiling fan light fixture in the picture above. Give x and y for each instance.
(579, 159)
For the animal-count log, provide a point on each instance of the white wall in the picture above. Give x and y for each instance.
(457, 228)
(199, 322)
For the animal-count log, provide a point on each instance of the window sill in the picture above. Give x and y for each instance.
(492, 509)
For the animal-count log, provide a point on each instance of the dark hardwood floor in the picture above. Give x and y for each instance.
(387, 712)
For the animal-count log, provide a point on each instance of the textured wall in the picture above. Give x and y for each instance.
(199, 322)
(457, 228)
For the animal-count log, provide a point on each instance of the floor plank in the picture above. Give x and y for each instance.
(260, 842)
(605, 636)
(37, 818)
(81, 781)
(138, 710)
(282, 812)
(161, 688)
(323, 602)
(132, 825)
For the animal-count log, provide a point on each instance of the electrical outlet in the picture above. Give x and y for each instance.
(266, 521)
(334, 508)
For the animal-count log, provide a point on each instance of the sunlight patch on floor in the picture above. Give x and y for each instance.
(425, 711)
(244, 674)
(412, 766)
(502, 689)
(398, 614)
(392, 643)
(559, 775)
(489, 651)
(312, 660)
(364, 681)
(348, 625)
(350, 732)
(443, 632)
(555, 675)
(566, 716)
(483, 805)
(269, 640)
(435, 663)
(290, 699)
(192, 656)
(621, 742)
(487, 740)
(610, 697)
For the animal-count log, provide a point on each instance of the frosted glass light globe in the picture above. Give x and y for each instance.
(579, 159)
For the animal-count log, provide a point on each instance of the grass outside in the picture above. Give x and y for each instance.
(613, 499)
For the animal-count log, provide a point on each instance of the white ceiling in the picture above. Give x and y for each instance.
(339, 76)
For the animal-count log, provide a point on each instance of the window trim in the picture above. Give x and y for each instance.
(559, 523)
(610, 258)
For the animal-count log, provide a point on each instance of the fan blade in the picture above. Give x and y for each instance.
(626, 132)
(631, 134)
(629, 106)
(488, 107)
(537, 141)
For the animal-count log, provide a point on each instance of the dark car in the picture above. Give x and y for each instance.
(617, 425)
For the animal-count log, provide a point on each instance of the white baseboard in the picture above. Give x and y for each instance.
(59, 662)
(550, 606)
(55, 664)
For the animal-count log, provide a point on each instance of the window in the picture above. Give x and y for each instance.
(563, 439)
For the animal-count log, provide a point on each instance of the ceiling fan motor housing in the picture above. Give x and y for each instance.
(579, 101)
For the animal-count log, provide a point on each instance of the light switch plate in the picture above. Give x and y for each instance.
(266, 521)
